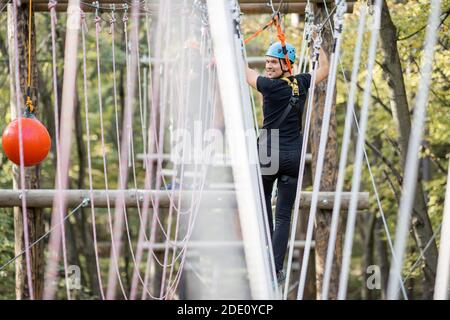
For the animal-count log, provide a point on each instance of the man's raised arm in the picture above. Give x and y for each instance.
(323, 68)
(251, 75)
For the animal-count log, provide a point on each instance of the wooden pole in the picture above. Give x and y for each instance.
(35, 220)
(246, 8)
(43, 198)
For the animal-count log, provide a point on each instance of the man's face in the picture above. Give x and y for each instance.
(273, 68)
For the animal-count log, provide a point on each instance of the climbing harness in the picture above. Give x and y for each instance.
(293, 101)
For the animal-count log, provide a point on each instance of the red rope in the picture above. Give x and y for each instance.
(281, 36)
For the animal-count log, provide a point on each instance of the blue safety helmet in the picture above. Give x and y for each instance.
(276, 50)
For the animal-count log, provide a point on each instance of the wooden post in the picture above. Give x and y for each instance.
(329, 176)
(35, 215)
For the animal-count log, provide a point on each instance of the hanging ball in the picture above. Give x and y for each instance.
(36, 141)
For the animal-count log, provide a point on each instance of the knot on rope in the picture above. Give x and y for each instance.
(52, 4)
(97, 20)
(112, 21)
(125, 15)
(29, 104)
(83, 20)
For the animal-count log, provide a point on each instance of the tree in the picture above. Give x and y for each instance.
(329, 175)
(393, 72)
(32, 181)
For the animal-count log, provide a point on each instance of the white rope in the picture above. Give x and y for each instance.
(89, 158)
(443, 267)
(131, 142)
(314, 65)
(341, 8)
(372, 178)
(264, 209)
(351, 218)
(115, 268)
(82, 204)
(411, 166)
(306, 38)
(344, 153)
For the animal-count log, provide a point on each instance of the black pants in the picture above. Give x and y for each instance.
(287, 175)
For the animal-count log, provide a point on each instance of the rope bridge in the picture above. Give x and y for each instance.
(188, 202)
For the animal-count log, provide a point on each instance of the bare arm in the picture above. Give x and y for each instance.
(322, 71)
(251, 75)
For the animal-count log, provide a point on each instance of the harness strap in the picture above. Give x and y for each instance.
(293, 103)
(293, 84)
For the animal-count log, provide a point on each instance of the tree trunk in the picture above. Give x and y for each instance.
(329, 176)
(34, 216)
(393, 72)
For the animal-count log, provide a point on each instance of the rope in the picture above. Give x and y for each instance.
(88, 135)
(281, 36)
(97, 21)
(412, 160)
(314, 66)
(29, 102)
(53, 22)
(257, 33)
(421, 255)
(443, 267)
(351, 219)
(344, 154)
(258, 168)
(21, 152)
(136, 258)
(82, 204)
(127, 126)
(334, 224)
(147, 185)
(306, 37)
(155, 99)
(341, 8)
(377, 197)
(170, 198)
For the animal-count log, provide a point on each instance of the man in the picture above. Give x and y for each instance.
(284, 97)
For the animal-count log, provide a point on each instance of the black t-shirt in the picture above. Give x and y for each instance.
(276, 95)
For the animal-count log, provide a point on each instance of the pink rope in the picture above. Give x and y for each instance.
(156, 104)
(115, 266)
(121, 165)
(59, 205)
(19, 96)
(91, 191)
(53, 21)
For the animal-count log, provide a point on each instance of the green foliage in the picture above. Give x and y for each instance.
(6, 253)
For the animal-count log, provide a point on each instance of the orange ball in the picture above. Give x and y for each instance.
(36, 141)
